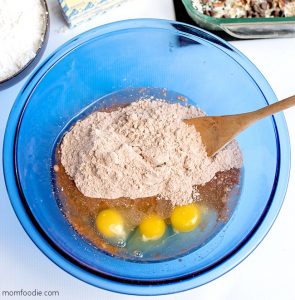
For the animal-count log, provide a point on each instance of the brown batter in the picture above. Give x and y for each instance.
(82, 211)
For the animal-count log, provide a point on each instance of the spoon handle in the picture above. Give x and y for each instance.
(273, 108)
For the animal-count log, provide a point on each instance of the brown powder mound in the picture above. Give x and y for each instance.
(142, 150)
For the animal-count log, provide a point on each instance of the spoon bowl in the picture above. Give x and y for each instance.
(217, 132)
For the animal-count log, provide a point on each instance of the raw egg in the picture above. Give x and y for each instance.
(152, 227)
(110, 224)
(186, 218)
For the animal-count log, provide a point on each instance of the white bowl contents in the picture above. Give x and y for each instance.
(22, 29)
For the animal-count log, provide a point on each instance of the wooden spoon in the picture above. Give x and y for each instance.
(216, 132)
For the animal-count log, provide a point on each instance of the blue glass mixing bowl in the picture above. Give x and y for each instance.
(132, 54)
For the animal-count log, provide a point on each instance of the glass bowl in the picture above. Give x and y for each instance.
(134, 54)
(26, 69)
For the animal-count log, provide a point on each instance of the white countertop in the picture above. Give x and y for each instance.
(265, 274)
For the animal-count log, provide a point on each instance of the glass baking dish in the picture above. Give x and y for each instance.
(244, 28)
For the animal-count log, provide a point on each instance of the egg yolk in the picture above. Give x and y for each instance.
(152, 227)
(110, 224)
(186, 218)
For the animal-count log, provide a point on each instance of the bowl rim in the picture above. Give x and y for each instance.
(42, 44)
(140, 288)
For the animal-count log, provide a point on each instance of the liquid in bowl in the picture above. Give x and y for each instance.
(217, 201)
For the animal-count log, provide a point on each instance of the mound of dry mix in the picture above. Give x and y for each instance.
(142, 150)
